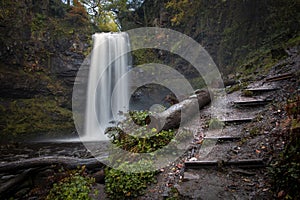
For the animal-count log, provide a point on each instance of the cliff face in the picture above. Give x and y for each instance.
(234, 31)
(42, 45)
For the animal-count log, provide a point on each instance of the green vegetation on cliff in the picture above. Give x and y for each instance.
(42, 45)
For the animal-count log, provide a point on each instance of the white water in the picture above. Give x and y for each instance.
(109, 63)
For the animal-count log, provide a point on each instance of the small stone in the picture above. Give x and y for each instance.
(193, 159)
(189, 176)
(99, 176)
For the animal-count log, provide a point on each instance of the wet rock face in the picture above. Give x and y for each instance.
(22, 88)
(65, 67)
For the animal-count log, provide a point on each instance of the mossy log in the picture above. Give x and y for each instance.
(180, 112)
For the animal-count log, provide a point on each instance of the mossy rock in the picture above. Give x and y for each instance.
(32, 116)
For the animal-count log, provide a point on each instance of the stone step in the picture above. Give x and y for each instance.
(247, 163)
(280, 77)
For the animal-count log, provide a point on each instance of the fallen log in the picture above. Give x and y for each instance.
(13, 183)
(67, 162)
(180, 112)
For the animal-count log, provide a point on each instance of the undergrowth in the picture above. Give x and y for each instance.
(285, 172)
(130, 180)
(75, 185)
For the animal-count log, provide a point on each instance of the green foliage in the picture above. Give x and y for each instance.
(104, 13)
(139, 117)
(122, 185)
(294, 41)
(76, 185)
(142, 139)
(182, 10)
(38, 22)
(143, 56)
(107, 22)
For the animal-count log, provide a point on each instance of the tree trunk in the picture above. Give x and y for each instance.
(67, 162)
(180, 112)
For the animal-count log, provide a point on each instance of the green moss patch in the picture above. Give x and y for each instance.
(36, 115)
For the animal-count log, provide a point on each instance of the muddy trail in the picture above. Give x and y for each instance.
(235, 144)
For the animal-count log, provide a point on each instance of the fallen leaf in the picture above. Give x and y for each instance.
(179, 166)
(199, 141)
(247, 180)
(280, 194)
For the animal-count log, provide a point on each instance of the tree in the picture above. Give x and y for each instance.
(108, 22)
(105, 13)
(77, 13)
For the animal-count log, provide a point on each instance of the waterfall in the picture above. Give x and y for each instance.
(108, 91)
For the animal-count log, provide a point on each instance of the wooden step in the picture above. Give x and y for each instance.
(223, 138)
(255, 102)
(280, 77)
(243, 163)
(261, 89)
(239, 120)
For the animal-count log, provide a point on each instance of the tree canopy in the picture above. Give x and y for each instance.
(104, 13)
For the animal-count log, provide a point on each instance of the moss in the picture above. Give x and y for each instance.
(236, 87)
(247, 93)
(143, 56)
(293, 42)
(254, 131)
(35, 115)
(215, 124)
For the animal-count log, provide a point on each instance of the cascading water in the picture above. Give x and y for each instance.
(109, 64)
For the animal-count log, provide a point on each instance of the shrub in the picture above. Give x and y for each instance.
(119, 183)
(285, 171)
(76, 185)
(122, 185)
